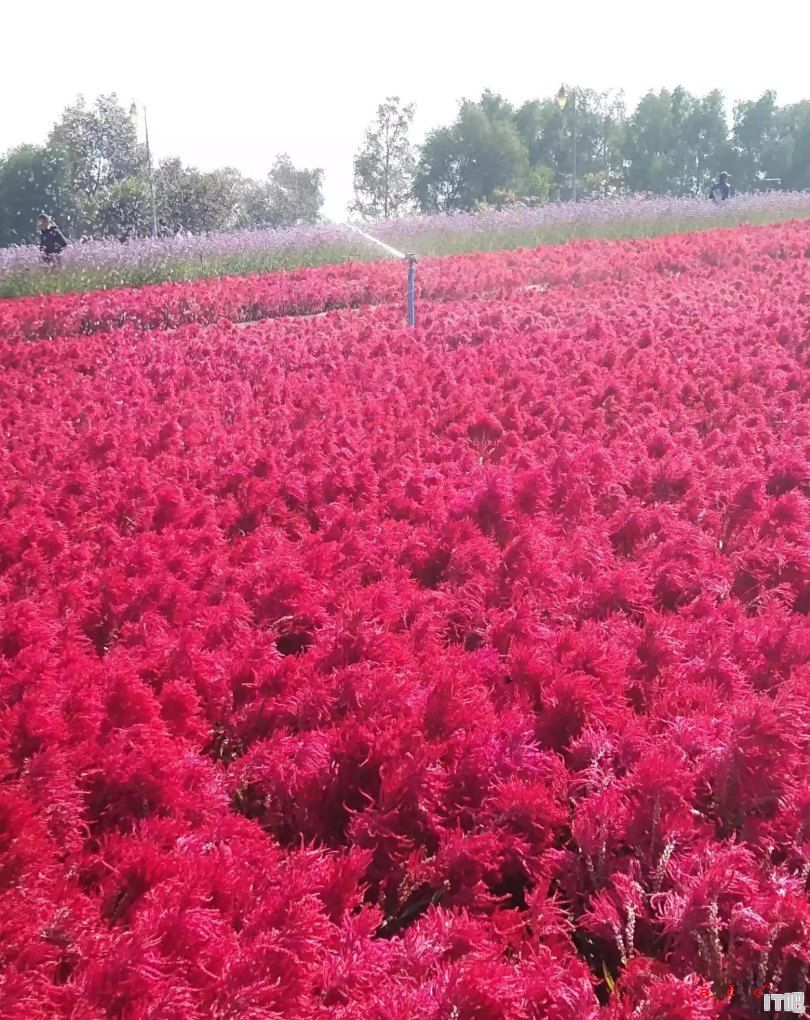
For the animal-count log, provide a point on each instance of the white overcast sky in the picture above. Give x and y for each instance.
(236, 83)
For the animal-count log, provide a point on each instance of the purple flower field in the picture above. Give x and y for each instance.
(100, 264)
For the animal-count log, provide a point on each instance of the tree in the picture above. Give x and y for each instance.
(676, 142)
(123, 205)
(542, 127)
(702, 140)
(478, 158)
(289, 197)
(762, 148)
(438, 184)
(96, 146)
(29, 185)
(650, 141)
(199, 201)
(495, 107)
(93, 177)
(383, 168)
(548, 133)
(609, 146)
(795, 122)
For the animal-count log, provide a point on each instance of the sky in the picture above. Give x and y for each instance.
(234, 84)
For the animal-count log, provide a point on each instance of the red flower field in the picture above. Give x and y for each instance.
(351, 671)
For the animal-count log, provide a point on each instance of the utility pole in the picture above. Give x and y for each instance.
(151, 174)
(574, 101)
(562, 99)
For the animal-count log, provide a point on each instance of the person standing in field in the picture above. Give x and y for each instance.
(721, 189)
(52, 242)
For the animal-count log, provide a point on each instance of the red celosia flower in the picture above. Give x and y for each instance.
(348, 670)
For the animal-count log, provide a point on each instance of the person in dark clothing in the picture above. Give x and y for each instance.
(720, 189)
(52, 242)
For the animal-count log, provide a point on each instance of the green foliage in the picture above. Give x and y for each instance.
(672, 143)
(676, 142)
(494, 154)
(771, 142)
(42, 281)
(439, 179)
(383, 168)
(93, 174)
(473, 161)
(796, 124)
(196, 200)
(539, 183)
(289, 197)
(29, 185)
(93, 177)
(548, 134)
(98, 144)
(122, 205)
(38, 280)
(96, 147)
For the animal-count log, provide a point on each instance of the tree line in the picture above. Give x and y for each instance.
(495, 153)
(95, 175)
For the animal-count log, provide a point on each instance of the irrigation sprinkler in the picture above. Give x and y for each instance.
(411, 295)
(409, 258)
